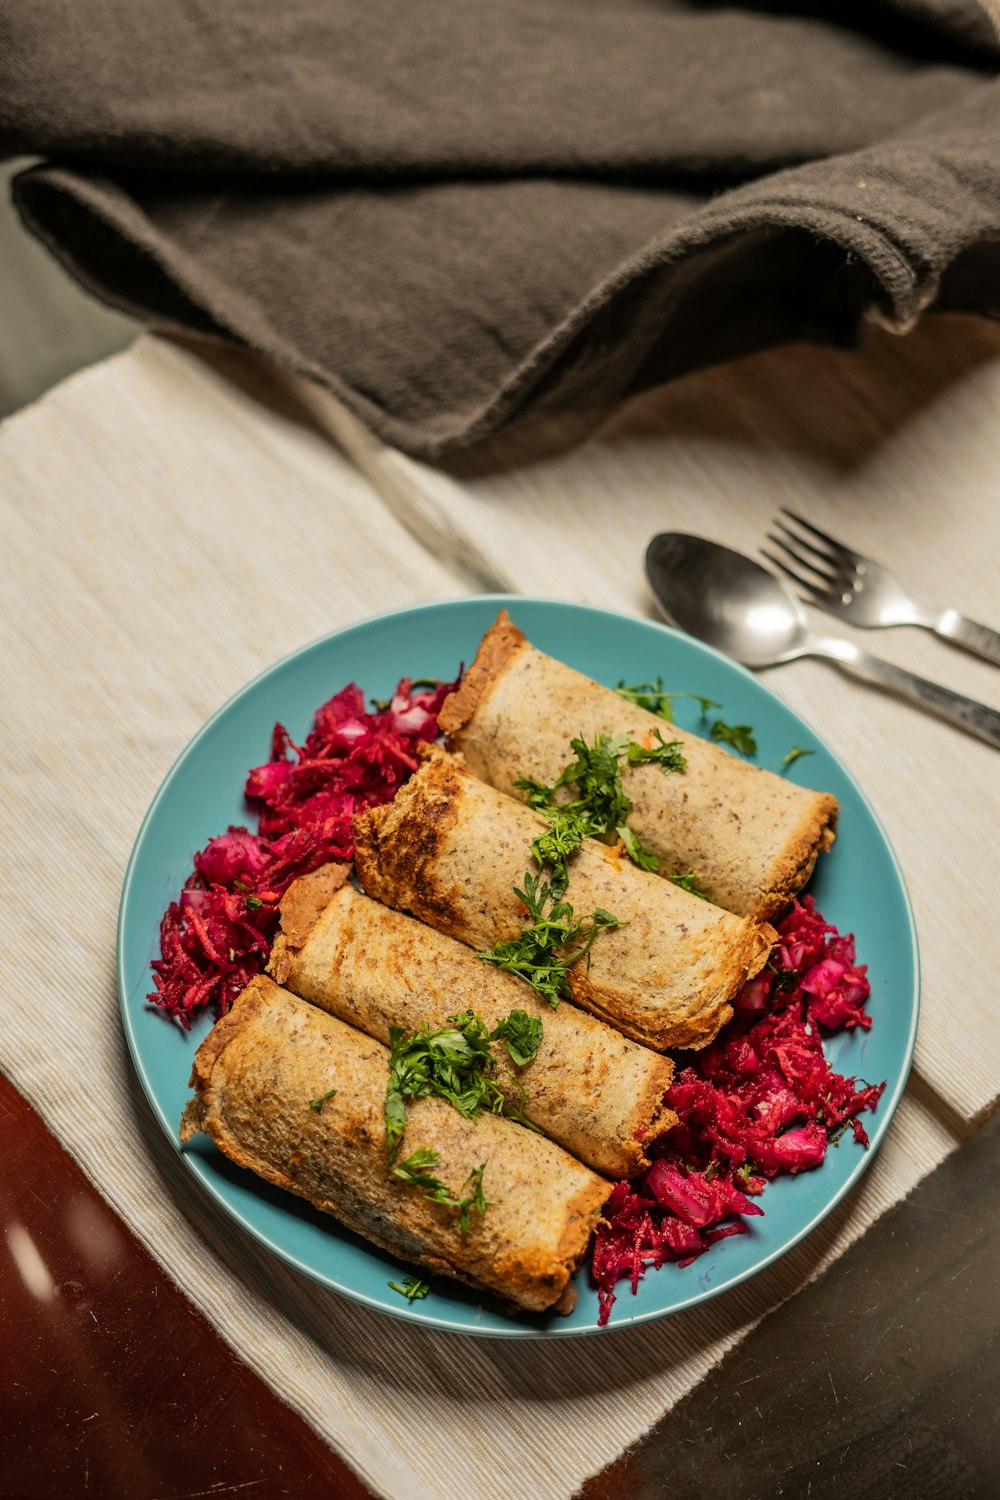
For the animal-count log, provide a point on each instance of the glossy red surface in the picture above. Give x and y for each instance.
(111, 1383)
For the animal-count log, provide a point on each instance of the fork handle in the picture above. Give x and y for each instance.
(979, 639)
(977, 718)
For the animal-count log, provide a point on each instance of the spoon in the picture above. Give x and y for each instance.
(732, 603)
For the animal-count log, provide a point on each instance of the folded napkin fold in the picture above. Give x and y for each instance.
(459, 216)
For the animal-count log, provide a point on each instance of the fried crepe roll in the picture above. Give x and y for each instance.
(254, 1076)
(588, 1088)
(750, 837)
(451, 849)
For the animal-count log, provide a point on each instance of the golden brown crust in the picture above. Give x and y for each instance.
(413, 828)
(597, 1094)
(806, 841)
(497, 648)
(451, 850)
(274, 1052)
(751, 837)
(307, 898)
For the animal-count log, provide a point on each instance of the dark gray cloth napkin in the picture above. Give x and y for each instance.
(459, 215)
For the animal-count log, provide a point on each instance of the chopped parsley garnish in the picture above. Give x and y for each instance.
(785, 981)
(522, 1033)
(566, 832)
(415, 1170)
(689, 883)
(453, 1061)
(601, 807)
(637, 851)
(477, 1199)
(745, 1173)
(600, 797)
(250, 901)
(740, 736)
(517, 1113)
(411, 1287)
(543, 952)
(667, 754)
(794, 754)
(317, 1104)
(653, 697)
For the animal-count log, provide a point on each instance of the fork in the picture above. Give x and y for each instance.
(862, 592)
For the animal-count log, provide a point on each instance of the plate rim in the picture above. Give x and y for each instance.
(411, 1312)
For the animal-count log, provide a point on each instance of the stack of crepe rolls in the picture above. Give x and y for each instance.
(751, 837)
(451, 850)
(587, 1087)
(439, 867)
(254, 1076)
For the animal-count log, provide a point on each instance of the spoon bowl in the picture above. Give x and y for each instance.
(726, 600)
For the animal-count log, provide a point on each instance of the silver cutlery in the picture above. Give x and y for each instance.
(732, 603)
(843, 582)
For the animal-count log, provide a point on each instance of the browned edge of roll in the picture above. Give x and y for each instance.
(308, 897)
(583, 1209)
(247, 1004)
(421, 842)
(812, 837)
(301, 907)
(498, 647)
(306, 900)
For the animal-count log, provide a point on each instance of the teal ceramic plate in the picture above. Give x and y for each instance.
(858, 886)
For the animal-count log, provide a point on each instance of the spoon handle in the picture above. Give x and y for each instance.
(977, 718)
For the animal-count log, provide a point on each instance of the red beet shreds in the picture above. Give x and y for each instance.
(218, 934)
(760, 1101)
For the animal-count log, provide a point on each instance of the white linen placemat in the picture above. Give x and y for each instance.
(170, 530)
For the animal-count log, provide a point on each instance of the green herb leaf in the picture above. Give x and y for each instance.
(516, 1112)
(785, 980)
(667, 754)
(414, 1169)
(745, 1173)
(740, 736)
(411, 1287)
(543, 952)
(476, 1201)
(522, 1032)
(317, 1104)
(656, 700)
(537, 794)
(564, 835)
(648, 695)
(636, 851)
(601, 807)
(689, 883)
(794, 754)
(453, 1061)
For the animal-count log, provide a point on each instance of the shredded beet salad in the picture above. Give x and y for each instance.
(761, 1100)
(217, 936)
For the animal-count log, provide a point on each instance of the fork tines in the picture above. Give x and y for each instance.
(830, 563)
